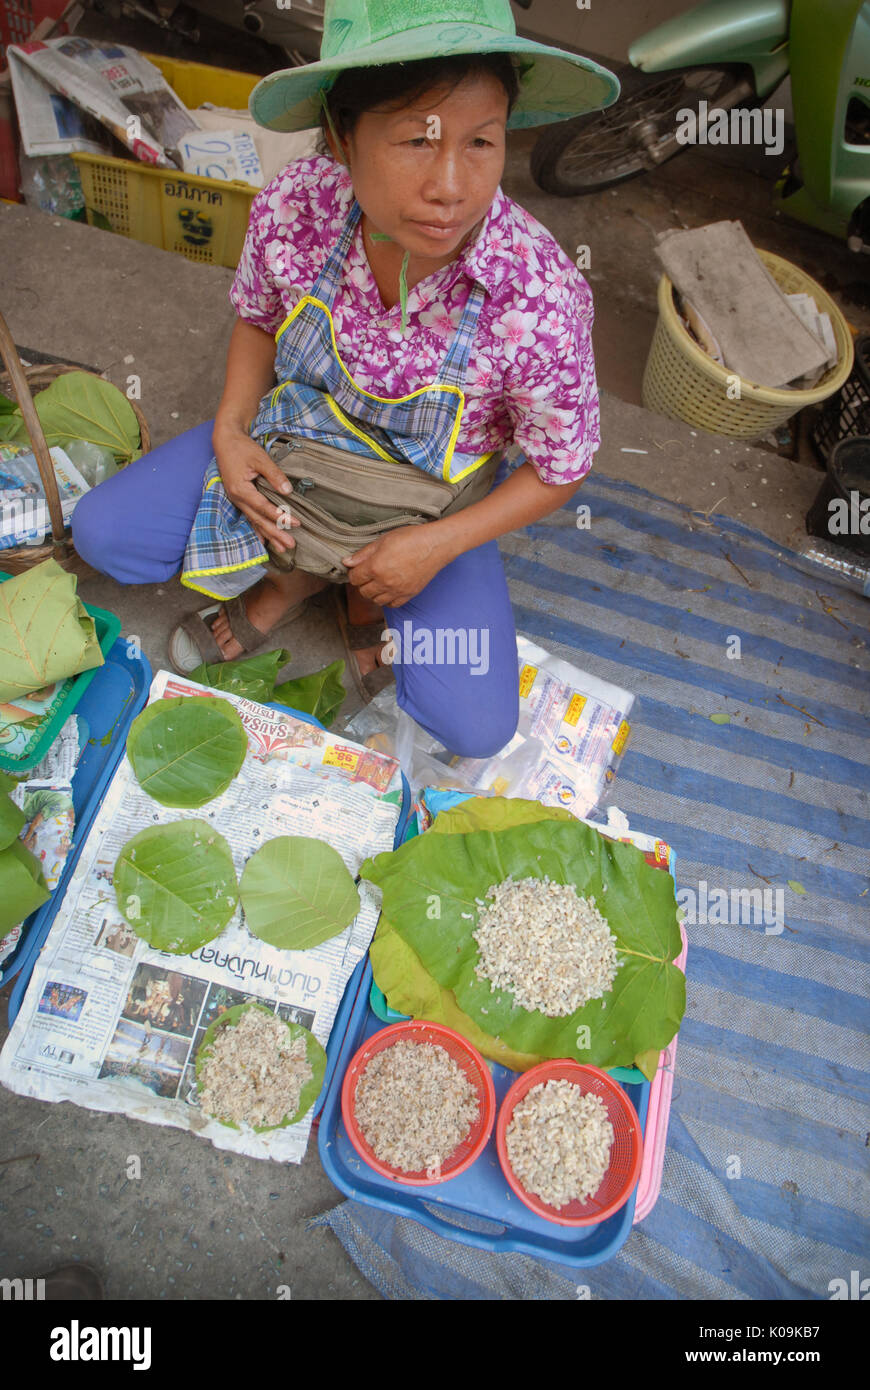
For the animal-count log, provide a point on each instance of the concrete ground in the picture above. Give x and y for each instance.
(199, 1223)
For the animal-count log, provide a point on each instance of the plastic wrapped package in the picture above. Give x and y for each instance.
(52, 184)
(572, 732)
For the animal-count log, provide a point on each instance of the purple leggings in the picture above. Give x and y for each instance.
(457, 677)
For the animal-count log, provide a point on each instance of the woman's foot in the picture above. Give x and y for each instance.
(265, 605)
(361, 612)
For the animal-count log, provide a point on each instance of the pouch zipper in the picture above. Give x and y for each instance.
(323, 524)
(375, 469)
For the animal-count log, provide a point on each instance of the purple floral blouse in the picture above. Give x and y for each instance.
(531, 374)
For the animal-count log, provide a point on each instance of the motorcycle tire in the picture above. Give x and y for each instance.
(594, 152)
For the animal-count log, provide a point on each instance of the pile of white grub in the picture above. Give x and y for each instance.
(414, 1106)
(558, 1143)
(549, 947)
(255, 1071)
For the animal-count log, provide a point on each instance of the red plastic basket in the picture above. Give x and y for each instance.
(471, 1062)
(626, 1155)
(19, 18)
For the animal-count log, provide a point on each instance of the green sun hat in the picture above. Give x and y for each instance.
(554, 83)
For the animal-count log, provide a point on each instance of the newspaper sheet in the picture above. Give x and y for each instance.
(117, 86)
(24, 517)
(222, 154)
(275, 149)
(47, 122)
(113, 1025)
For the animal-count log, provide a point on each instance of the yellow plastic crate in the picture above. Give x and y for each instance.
(202, 219)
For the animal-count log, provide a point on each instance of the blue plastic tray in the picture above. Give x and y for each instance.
(476, 1208)
(114, 698)
(116, 693)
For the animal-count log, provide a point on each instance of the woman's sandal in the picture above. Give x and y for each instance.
(193, 641)
(357, 637)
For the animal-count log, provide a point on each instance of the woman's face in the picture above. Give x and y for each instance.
(435, 164)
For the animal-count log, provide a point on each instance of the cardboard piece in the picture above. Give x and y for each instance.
(275, 149)
(761, 337)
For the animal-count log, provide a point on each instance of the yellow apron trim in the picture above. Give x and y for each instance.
(382, 400)
(472, 467)
(211, 482)
(197, 588)
(228, 569)
(376, 448)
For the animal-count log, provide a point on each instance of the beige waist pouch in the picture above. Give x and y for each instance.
(343, 501)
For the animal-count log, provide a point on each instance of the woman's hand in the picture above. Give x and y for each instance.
(395, 568)
(240, 461)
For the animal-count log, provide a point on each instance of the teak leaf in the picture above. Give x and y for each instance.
(46, 633)
(321, 694)
(22, 886)
(176, 885)
(78, 405)
(252, 677)
(186, 750)
(296, 893)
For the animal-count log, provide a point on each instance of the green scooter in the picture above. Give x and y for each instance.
(718, 63)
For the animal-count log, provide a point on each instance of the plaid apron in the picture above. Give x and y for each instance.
(317, 398)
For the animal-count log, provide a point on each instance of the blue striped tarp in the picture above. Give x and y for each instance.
(764, 1184)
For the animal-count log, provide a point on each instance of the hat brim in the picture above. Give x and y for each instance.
(555, 86)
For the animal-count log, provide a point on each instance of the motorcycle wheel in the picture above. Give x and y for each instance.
(590, 153)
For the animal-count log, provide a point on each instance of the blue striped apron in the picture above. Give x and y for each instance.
(316, 397)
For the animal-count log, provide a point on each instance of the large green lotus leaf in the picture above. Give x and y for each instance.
(22, 886)
(12, 819)
(185, 751)
(398, 971)
(410, 989)
(251, 677)
(46, 633)
(643, 1010)
(176, 885)
(321, 694)
(314, 1053)
(78, 405)
(296, 893)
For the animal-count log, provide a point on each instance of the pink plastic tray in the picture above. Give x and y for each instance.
(661, 1089)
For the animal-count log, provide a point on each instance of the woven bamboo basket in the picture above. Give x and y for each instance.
(17, 382)
(683, 382)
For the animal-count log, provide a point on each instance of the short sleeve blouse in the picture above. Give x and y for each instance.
(531, 374)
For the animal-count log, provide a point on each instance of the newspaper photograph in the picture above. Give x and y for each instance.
(117, 86)
(111, 1024)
